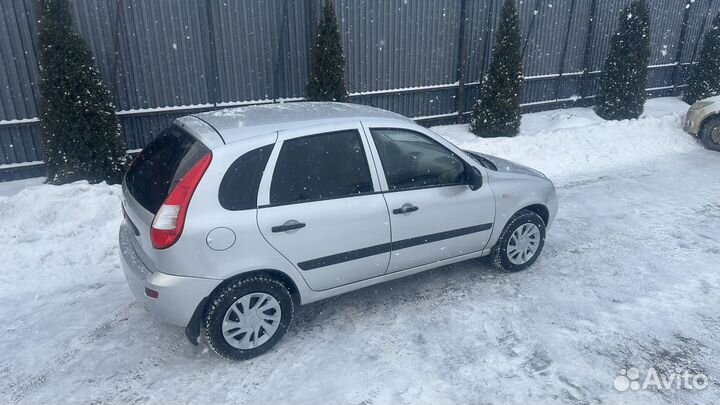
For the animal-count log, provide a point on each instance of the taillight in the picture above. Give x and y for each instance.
(170, 218)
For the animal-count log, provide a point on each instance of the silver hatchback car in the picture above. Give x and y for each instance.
(234, 218)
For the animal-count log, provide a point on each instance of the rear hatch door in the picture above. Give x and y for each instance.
(150, 179)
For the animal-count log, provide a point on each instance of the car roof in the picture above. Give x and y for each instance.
(234, 124)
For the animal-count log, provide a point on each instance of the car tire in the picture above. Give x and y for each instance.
(507, 254)
(710, 133)
(237, 327)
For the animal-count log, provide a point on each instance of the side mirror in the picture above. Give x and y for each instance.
(475, 180)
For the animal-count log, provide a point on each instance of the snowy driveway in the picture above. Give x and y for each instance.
(629, 277)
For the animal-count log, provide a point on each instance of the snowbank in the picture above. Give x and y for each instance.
(569, 143)
(55, 237)
(13, 187)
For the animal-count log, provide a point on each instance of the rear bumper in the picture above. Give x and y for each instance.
(178, 297)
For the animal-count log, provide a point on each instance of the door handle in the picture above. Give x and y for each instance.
(406, 208)
(288, 226)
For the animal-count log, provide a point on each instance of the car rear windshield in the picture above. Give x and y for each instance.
(161, 165)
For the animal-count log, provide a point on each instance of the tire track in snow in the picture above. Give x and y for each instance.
(125, 384)
(130, 386)
(586, 182)
(19, 391)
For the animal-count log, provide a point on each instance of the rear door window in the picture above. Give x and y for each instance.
(239, 186)
(317, 167)
(161, 165)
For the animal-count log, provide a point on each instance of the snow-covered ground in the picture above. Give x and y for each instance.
(630, 277)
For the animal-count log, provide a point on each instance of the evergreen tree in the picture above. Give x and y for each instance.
(497, 110)
(81, 131)
(327, 74)
(705, 79)
(621, 94)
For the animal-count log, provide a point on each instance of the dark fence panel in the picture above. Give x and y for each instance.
(19, 73)
(163, 55)
(400, 44)
(247, 42)
(20, 143)
(699, 19)
(168, 58)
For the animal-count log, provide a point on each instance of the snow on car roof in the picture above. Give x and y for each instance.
(235, 124)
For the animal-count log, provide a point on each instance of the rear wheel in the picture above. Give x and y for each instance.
(710, 133)
(248, 317)
(520, 243)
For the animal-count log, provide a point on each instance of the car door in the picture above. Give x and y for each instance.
(320, 206)
(434, 213)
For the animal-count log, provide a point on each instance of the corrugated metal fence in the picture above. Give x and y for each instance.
(421, 58)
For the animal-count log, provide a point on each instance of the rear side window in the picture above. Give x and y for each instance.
(160, 166)
(239, 186)
(317, 167)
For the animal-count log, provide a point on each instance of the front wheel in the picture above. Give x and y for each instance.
(710, 134)
(520, 243)
(248, 317)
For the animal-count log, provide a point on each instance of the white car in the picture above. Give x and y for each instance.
(703, 121)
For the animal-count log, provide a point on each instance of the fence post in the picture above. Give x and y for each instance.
(278, 66)
(681, 45)
(588, 49)
(461, 62)
(311, 24)
(214, 87)
(564, 51)
(538, 3)
(119, 9)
